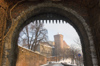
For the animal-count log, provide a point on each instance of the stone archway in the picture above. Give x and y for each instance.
(77, 22)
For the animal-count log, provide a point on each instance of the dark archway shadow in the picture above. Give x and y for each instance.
(73, 18)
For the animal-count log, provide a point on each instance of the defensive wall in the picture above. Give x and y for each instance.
(27, 57)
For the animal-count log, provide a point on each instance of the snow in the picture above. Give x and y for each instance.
(53, 64)
(68, 61)
(58, 65)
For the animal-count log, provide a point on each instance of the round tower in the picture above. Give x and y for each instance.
(58, 41)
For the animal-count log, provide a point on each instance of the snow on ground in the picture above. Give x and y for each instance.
(68, 61)
(58, 65)
(53, 64)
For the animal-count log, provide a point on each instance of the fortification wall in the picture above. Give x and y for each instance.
(29, 58)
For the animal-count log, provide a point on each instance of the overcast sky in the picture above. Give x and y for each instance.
(68, 32)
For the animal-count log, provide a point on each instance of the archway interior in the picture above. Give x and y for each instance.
(51, 18)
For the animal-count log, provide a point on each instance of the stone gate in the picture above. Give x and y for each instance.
(84, 16)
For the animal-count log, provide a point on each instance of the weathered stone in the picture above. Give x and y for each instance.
(84, 14)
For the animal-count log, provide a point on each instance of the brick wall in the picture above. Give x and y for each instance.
(2, 30)
(92, 18)
(29, 58)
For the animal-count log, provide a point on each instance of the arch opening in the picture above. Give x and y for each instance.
(74, 21)
(50, 49)
(51, 17)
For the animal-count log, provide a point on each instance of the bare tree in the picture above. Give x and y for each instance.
(67, 53)
(77, 42)
(74, 51)
(32, 35)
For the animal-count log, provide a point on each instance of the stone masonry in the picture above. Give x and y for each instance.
(84, 16)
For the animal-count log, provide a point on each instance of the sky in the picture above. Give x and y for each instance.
(68, 32)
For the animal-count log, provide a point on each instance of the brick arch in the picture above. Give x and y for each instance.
(77, 21)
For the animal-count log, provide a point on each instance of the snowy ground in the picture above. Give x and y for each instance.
(53, 64)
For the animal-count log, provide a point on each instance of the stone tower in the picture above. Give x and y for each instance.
(58, 41)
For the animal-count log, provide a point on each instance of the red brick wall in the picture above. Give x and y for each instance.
(29, 58)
